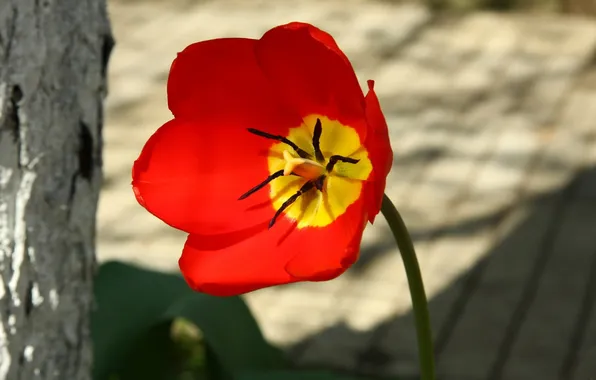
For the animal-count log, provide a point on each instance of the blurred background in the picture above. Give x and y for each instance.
(491, 106)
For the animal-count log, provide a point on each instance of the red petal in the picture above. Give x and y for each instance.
(333, 249)
(312, 74)
(192, 171)
(319, 35)
(379, 149)
(190, 175)
(219, 266)
(219, 81)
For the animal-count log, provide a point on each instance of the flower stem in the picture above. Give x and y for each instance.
(419, 302)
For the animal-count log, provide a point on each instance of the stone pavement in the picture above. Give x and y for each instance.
(493, 124)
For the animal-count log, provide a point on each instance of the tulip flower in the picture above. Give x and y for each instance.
(273, 163)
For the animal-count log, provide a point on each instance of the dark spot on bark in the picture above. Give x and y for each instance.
(13, 121)
(85, 152)
(17, 93)
(22, 359)
(107, 44)
(29, 299)
(44, 4)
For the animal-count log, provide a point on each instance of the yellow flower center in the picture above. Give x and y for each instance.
(316, 171)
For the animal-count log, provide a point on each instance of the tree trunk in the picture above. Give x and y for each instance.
(53, 57)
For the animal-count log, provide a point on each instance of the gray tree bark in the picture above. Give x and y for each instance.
(53, 57)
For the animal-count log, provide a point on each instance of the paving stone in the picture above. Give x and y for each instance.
(448, 177)
(567, 36)
(585, 364)
(544, 335)
(337, 347)
(582, 364)
(424, 145)
(473, 346)
(440, 270)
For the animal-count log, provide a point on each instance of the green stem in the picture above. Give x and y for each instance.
(419, 303)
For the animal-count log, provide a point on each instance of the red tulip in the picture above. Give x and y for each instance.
(273, 163)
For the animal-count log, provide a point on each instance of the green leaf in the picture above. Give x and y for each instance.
(132, 307)
(155, 347)
(293, 375)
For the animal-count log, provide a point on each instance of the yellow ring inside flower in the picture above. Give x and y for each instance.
(342, 186)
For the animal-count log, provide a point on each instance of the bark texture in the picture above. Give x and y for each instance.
(53, 57)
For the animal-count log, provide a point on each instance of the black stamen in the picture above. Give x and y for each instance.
(306, 187)
(282, 139)
(319, 183)
(273, 176)
(316, 139)
(334, 159)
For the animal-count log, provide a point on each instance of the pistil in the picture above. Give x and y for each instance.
(305, 168)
